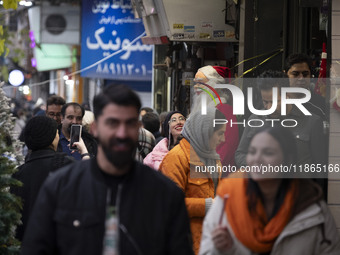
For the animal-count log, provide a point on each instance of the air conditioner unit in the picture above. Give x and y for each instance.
(48, 56)
(189, 20)
(60, 24)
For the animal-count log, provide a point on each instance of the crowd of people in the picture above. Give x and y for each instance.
(139, 182)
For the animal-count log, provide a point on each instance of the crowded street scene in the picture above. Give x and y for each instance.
(169, 127)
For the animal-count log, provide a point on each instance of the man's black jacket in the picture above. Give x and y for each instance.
(69, 214)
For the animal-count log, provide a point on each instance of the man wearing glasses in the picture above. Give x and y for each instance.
(53, 107)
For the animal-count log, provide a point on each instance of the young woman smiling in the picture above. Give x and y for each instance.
(268, 214)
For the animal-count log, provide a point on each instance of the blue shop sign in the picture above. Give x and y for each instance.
(109, 27)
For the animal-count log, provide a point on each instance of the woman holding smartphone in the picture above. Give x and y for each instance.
(268, 214)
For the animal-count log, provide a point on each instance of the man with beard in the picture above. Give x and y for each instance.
(73, 113)
(110, 204)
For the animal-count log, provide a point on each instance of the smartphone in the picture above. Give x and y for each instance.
(75, 135)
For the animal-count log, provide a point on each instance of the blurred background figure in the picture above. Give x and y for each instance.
(146, 140)
(162, 117)
(172, 129)
(41, 137)
(268, 214)
(88, 120)
(197, 149)
(39, 107)
(146, 143)
(20, 122)
(144, 110)
(86, 106)
(88, 117)
(151, 123)
(212, 75)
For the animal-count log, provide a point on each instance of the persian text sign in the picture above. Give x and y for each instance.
(108, 27)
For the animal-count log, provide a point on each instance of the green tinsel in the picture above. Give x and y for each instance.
(10, 158)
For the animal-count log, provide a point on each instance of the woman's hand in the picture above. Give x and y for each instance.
(222, 238)
(80, 146)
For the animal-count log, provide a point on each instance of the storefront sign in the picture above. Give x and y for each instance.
(109, 27)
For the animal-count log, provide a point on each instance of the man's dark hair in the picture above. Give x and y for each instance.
(147, 109)
(117, 94)
(86, 106)
(73, 104)
(298, 58)
(57, 100)
(272, 79)
(151, 122)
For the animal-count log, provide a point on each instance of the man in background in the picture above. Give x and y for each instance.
(151, 123)
(53, 107)
(299, 71)
(310, 139)
(72, 113)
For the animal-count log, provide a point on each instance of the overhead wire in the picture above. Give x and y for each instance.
(90, 66)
